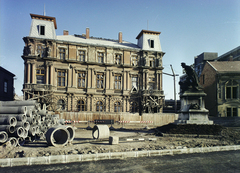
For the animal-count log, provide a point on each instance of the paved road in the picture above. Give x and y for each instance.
(209, 162)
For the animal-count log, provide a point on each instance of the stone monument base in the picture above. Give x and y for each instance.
(193, 109)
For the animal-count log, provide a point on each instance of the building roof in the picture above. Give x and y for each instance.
(97, 41)
(231, 52)
(6, 71)
(226, 66)
(47, 18)
(147, 32)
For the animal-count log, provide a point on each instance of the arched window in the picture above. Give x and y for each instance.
(134, 107)
(81, 105)
(117, 106)
(61, 105)
(99, 106)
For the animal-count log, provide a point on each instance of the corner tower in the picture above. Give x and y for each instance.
(43, 26)
(149, 40)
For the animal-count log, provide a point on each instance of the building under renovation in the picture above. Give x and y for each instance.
(84, 73)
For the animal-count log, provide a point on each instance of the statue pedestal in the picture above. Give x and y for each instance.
(193, 108)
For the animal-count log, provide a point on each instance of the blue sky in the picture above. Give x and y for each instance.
(188, 27)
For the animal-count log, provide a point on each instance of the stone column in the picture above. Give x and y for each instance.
(89, 82)
(51, 74)
(160, 80)
(110, 79)
(93, 76)
(33, 72)
(146, 80)
(69, 77)
(127, 104)
(74, 79)
(129, 81)
(69, 106)
(107, 79)
(47, 74)
(28, 72)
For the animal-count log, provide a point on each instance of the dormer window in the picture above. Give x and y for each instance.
(152, 43)
(41, 29)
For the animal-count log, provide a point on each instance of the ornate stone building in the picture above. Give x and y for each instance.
(83, 73)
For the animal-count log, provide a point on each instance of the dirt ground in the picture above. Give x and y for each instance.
(155, 138)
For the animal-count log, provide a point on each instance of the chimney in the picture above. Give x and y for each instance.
(120, 37)
(65, 32)
(87, 33)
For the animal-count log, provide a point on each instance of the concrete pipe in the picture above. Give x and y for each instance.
(25, 134)
(40, 136)
(21, 141)
(57, 136)
(29, 113)
(37, 130)
(44, 128)
(71, 131)
(13, 141)
(25, 125)
(56, 115)
(30, 120)
(19, 103)
(100, 132)
(42, 112)
(19, 132)
(13, 110)
(8, 128)
(61, 121)
(8, 121)
(19, 117)
(3, 137)
(32, 131)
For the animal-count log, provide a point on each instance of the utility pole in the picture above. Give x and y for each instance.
(174, 83)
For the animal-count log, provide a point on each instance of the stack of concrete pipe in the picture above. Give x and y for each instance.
(22, 121)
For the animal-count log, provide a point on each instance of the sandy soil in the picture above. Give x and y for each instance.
(154, 139)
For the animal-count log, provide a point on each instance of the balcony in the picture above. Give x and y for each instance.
(37, 87)
(153, 92)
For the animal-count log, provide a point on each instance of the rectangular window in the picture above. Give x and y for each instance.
(228, 112)
(151, 62)
(61, 75)
(62, 53)
(135, 82)
(5, 86)
(231, 92)
(82, 55)
(100, 77)
(100, 57)
(234, 92)
(81, 80)
(40, 76)
(118, 59)
(42, 30)
(152, 43)
(134, 61)
(232, 112)
(117, 81)
(151, 82)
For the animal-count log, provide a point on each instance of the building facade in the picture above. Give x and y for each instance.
(221, 80)
(83, 73)
(6, 85)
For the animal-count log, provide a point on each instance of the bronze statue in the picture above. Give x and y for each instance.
(191, 81)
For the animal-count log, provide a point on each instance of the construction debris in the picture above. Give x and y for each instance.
(22, 121)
